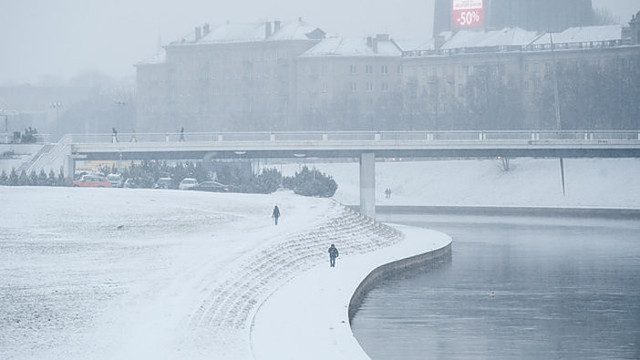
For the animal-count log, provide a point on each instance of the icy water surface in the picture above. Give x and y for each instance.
(525, 288)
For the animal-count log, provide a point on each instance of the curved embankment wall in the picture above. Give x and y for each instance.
(414, 264)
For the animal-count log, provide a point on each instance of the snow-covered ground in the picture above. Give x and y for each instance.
(600, 183)
(154, 274)
(169, 274)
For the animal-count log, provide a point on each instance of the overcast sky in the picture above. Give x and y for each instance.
(64, 37)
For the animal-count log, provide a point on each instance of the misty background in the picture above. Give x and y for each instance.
(50, 42)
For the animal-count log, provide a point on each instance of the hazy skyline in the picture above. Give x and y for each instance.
(63, 38)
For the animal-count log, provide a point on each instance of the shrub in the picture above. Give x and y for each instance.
(311, 183)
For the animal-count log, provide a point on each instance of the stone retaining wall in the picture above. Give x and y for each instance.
(414, 264)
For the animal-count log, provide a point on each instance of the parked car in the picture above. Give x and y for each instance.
(165, 183)
(187, 183)
(116, 180)
(130, 183)
(92, 181)
(211, 186)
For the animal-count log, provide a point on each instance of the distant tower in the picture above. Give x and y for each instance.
(540, 15)
(442, 16)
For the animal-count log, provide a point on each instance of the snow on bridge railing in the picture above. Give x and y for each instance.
(396, 136)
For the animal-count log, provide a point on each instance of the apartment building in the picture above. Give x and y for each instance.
(230, 77)
(349, 83)
(291, 76)
(489, 73)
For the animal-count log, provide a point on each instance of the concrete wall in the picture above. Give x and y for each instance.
(415, 264)
(511, 211)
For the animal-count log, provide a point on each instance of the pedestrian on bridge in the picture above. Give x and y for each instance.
(275, 214)
(114, 136)
(181, 135)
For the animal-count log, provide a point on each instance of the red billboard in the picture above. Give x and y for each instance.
(468, 13)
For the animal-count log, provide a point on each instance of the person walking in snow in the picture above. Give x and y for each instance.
(181, 135)
(333, 254)
(114, 135)
(275, 214)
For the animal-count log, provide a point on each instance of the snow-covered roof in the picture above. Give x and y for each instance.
(478, 39)
(417, 45)
(252, 32)
(424, 47)
(228, 33)
(339, 46)
(583, 35)
(159, 58)
(298, 30)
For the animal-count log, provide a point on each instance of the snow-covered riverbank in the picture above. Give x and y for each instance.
(161, 274)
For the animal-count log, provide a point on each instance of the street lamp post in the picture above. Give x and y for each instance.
(121, 110)
(6, 113)
(56, 106)
(6, 127)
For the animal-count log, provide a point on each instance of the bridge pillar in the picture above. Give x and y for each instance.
(70, 168)
(368, 184)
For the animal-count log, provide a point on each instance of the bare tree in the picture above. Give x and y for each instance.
(505, 163)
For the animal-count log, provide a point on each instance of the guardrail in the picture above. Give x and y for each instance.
(573, 135)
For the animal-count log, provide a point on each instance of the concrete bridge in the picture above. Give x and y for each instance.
(349, 146)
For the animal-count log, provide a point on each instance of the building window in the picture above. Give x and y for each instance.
(384, 69)
(369, 86)
(352, 69)
(369, 69)
(399, 69)
(354, 86)
(385, 87)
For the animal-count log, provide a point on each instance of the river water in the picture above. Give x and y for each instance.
(516, 288)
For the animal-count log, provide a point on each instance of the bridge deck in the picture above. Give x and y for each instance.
(354, 144)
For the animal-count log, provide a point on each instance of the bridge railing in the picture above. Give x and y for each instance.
(395, 136)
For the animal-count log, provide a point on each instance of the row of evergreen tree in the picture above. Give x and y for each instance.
(307, 182)
(240, 178)
(33, 179)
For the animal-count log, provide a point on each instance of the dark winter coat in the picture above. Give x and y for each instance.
(333, 252)
(276, 212)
